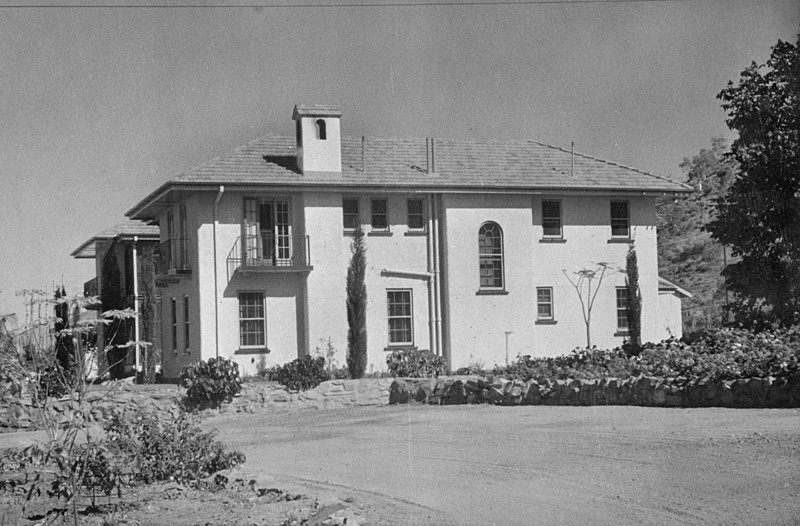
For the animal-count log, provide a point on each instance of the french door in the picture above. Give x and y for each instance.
(266, 232)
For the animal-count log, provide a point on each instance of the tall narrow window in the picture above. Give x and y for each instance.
(350, 218)
(401, 320)
(544, 303)
(620, 219)
(622, 309)
(321, 132)
(186, 324)
(174, 311)
(551, 219)
(416, 214)
(298, 128)
(183, 242)
(252, 326)
(171, 248)
(490, 249)
(380, 214)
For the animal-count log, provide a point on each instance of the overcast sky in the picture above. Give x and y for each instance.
(98, 106)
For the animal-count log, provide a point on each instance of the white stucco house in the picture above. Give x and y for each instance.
(469, 245)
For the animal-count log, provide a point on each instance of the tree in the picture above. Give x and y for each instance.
(585, 277)
(686, 253)
(759, 216)
(357, 307)
(633, 310)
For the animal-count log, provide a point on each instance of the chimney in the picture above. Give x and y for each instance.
(319, 142)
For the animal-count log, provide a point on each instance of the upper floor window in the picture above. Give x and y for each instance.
(622, 309)
(183, 242)
(298, 127)
(321, 133)
(490, 250)
(620, 219)
(551, 219)
(380, 214)
(416, 214)
(350, 218)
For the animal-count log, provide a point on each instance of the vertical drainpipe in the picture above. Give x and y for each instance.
(437, 293)
(136, 302)
(216, 287)
(431, 295)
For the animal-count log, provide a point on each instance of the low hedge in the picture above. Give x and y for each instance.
(723, 354)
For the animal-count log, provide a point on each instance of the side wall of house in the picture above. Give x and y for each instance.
(671, 322)
(480, 322)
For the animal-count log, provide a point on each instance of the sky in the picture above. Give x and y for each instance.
(100, 105)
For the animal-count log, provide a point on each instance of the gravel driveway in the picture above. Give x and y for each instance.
(539, 465)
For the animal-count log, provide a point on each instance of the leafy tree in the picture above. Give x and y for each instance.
(357, 307)
(634, 309)
(759, 216)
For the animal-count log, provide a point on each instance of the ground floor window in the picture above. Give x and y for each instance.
(186, 324)
(252, 323)
(401, 321)
(622, 309)
(174, 325)
(544, 303)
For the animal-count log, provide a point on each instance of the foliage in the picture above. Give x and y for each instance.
(173, 448)
(758, 215)
(414, 363)
(151, 355)
(357, 307)
(721, 354)
(687, 254)
(586, 276)
(634, 307)
(301, 374)
(210, 383)
(328, 352)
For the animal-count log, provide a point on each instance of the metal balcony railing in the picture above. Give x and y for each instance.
(173, 257)
(267, 252)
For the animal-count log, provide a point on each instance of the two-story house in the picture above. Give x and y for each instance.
(470, 245)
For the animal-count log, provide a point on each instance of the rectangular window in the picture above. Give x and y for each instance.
(252, 326)
(186, 324)
(401, 321)
(544, 303)
(350, 218)
(620, 220)
(416, 214)
(174, 326)
(183, 242)
(622, 309)
(551, 219)
(380, 214)
(170, 253)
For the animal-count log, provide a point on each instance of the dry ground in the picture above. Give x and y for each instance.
(487, 465)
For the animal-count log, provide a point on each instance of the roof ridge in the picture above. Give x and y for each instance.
(612, 163)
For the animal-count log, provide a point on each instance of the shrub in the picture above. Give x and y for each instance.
(173, 448)
(301, 374)
(413, 363)
(210, 383)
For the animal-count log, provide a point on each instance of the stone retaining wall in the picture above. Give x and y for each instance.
(642, 390)
(18, 414)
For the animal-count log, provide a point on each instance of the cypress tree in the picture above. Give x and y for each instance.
(634, 308)
(357, 307)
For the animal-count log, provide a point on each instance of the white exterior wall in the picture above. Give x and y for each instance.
(477, 323)
(671, 322)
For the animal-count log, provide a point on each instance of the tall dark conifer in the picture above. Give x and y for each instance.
(357, 307)
(634, 308)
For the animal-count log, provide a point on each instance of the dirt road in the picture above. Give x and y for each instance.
(538, 465)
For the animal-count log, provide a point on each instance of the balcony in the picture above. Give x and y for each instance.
(173, 258)
(266, 253)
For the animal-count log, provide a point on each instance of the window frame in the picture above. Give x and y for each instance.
(322, 131)
(560, 219)
(626, 219)
(356, 215)
(183, 241)
(186, 325)
(622, 310)
(373, 214)
(490, 257)
(421, 214)
(409, 317)
(262, 318)
(540, 303)
(174, 333)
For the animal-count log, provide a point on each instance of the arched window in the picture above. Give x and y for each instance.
(321, 134)
(490, 251)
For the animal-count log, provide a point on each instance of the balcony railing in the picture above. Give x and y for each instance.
(269, 253)
(173, 257)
